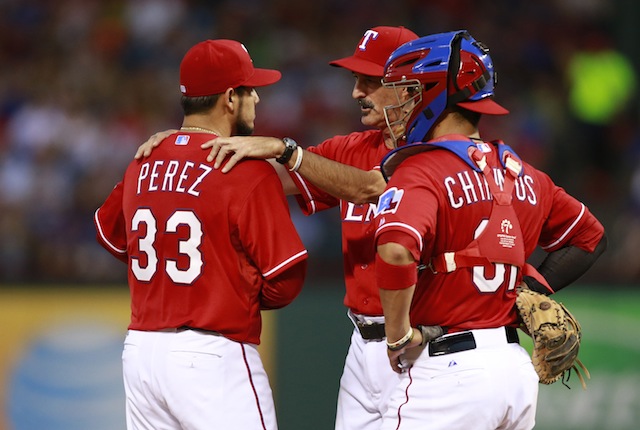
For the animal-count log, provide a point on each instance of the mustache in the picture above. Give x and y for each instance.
(366, 104)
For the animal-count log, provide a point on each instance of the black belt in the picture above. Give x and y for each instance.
(369, 330)
(373, 331)
(464, 342)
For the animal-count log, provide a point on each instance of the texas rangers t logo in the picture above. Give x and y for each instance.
(368, 35)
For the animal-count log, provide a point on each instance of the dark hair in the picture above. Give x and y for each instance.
(244, 90)
(469, 115)
(202, 104)
(196, 105)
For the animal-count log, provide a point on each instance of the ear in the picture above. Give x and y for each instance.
(228, 95)
(226, 98)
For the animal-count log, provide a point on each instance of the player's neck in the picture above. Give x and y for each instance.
(389, 141)
(204, 124)
(453, 125)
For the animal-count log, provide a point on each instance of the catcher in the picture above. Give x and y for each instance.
(471, 212)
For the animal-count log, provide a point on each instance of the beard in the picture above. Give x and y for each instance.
(243, 128)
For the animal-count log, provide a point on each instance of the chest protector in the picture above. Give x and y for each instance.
(501, 240)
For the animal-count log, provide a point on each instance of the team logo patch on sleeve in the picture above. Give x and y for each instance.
(182, 139)
(389, 201)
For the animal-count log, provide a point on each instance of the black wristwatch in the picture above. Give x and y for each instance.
(290, 146)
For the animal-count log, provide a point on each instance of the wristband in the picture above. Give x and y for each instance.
(402, 342)
(290, 145)
(296, 166)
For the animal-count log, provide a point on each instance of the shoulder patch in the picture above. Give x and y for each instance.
(389, 201)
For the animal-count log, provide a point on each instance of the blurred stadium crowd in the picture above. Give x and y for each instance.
(84, 82)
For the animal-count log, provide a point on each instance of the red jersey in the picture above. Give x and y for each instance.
(201, 246)
(364, 150)
(440, 204)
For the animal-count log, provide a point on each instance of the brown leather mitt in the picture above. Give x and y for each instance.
(556, 337)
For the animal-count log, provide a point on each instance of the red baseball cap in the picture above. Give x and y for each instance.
(374, 49)
(212, 66)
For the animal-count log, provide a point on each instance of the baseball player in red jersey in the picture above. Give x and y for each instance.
(467, 213)
(344, 171)
(206, 253)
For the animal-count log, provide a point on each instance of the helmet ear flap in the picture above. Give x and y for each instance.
(454, 60)
(463, 62)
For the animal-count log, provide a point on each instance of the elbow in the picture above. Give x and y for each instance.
(290, 294)
(394, 253)
(283, 289)
(281, 300)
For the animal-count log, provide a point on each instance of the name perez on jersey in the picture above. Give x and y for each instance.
(468, 187)
(175, 176)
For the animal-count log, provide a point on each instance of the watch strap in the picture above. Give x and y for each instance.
(290, 146)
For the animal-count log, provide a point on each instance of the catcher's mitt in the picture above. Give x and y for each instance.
(556, 336)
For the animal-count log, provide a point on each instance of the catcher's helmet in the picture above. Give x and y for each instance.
(440, 70)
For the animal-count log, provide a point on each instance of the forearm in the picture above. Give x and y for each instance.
(564, 266)
(396, 305)
(396, 279)
(340, 180)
